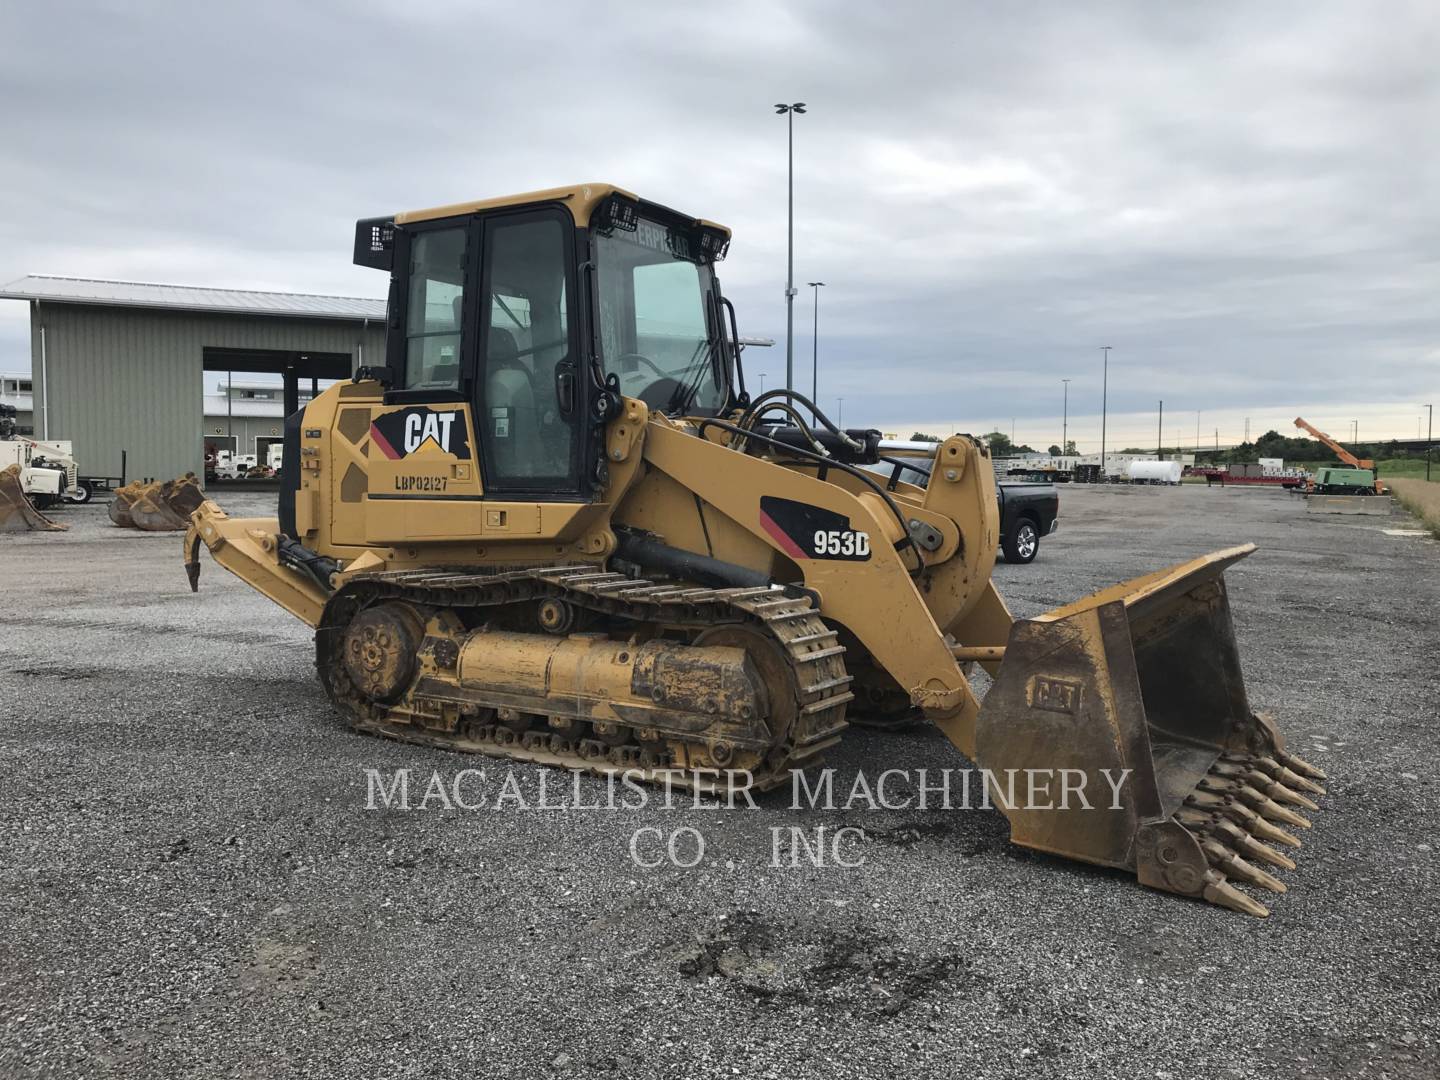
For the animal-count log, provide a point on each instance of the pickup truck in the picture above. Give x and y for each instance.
(1027, 511)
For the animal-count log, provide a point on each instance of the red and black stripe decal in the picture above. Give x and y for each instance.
(377, 437)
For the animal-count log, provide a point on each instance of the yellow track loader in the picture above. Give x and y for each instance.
(555, 527)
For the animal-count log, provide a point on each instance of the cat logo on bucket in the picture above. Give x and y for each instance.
(1056, 695)
(420, 430)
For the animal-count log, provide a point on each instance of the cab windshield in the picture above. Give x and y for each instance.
(657, 332)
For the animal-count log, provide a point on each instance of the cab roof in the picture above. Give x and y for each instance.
(580, 199)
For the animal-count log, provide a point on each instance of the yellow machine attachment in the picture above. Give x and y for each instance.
(17, 512)
(1130, 708)
(554, 527)
(158, 506)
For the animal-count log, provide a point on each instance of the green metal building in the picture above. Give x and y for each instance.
(119, 367)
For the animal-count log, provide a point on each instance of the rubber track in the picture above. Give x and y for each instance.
(815, 656)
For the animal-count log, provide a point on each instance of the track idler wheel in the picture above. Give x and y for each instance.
(380, 649)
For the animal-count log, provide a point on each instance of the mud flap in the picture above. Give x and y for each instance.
(1130, 708)
(17, 512)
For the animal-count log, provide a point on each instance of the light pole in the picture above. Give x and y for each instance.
(1065, 421)
(840, 420)
(815, 349)
(1430, 440)
(1160, 434)
(762, 383)
(1104, 396)
(789, 111)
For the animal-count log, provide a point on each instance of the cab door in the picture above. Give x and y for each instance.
(528, 390)
(421, 456)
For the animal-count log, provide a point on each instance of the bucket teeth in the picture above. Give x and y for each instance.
(1278, 791)
(1217, 785)
(1193, 818)
(1248, 845)
(1288, 777)
(1219, 891)
(1233, 866)
(1299, 764)
(1249, 772)
(1267, 807)
(1227, 832)
(1282, 766)
(1242, 815)
(1263, 829)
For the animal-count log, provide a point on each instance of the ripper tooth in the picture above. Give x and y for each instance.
(1233, 866)
(1288, 777)
(1299, 764)
(1219, 891)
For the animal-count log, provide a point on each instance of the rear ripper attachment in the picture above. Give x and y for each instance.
(1138, 689)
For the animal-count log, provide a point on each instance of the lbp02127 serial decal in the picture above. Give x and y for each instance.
(420, 483)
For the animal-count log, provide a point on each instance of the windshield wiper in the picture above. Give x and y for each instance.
(686, 392)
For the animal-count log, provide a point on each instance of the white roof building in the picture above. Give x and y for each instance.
(141, 294)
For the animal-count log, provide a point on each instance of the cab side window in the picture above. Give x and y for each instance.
(433, 310)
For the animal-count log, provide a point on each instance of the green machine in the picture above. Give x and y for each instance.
(1343, 480)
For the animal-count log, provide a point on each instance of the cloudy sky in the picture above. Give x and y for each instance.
(1242, 199)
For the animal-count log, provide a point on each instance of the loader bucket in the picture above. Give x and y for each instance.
(161, 507)
(1134, 697)
(121, 503)
(17, 512)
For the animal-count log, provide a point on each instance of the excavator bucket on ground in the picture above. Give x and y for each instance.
(1130, 708)
(17, 512)
(120, 504)
(158, 506)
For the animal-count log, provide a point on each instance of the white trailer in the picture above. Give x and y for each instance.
(1153, 472)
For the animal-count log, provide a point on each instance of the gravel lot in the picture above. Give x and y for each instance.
(191, 884)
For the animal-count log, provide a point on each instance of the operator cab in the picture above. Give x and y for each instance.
(540, 311)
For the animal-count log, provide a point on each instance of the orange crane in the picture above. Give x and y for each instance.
(1340, 451)
(1344, 455)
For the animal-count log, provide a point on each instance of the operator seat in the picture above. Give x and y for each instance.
(511, 423)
